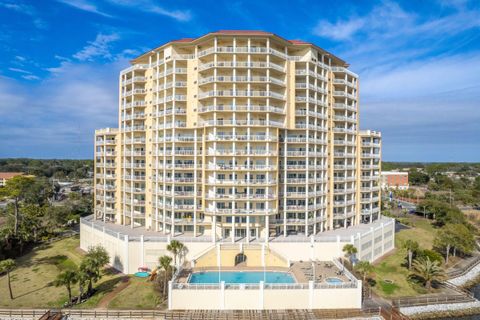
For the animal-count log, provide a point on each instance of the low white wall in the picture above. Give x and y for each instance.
(127, 255)
(266, 298)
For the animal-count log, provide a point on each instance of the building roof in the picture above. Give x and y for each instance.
(392, 173)
(9, 175)
(243, 33)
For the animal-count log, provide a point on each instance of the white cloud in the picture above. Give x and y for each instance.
(19, 70)
(85, 6)
(30, 77)
(60, 113)
(388, 21)
(152, 7)
(418, 84)
(27, 10)
(341, 30)
(100, 47)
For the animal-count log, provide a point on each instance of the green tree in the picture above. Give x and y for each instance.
(67, 278)
(444, 241)
(92, 264)
(16, 189)
(456, 237)
(175, 247)
(417, 178)
(364, 268)
(442, 211)
(411, 246)
(428, 271)
(165, 264)
(350, 250)
(8, 266)
(81, 278)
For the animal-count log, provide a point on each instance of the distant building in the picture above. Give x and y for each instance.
(394, 180)
(5, 176)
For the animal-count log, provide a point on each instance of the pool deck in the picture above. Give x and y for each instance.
(136, 232)
(301, 271)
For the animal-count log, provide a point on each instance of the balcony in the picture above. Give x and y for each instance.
(237, 137)
(139, 103)
(134, 153)
(242, 93)
(176, 111)
(135, 141)
(132, 80)
(259, 79)
(303, 112)
(133, 92)
(241, 108)
(344, 130)
(241, 64)
(242, 123)
(343, 106)
(242, 181)
(134, 128)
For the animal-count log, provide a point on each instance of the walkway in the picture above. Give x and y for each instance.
(105, 301)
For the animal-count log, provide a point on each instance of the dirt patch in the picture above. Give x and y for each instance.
(103, 304)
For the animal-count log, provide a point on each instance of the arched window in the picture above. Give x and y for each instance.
(240, 258)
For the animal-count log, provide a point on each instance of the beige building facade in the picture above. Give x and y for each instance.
(238, 135)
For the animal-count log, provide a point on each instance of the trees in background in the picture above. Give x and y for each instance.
(30, 216)
(16, 189)
(70, 169)
(442, 211)
(417, 178)
(454, 237)
(411, 246)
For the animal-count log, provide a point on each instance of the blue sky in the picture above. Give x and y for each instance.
(418, 61)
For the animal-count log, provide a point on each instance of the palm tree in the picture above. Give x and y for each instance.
(411, 246)
(66, 278)
(92, 263)
(364, 268)
(175, 247)
(350, 251)
(81, 278)
(428, 270)
(165, 264)
(8, 266)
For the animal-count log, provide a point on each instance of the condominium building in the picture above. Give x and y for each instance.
(237, 134)
(394, 180)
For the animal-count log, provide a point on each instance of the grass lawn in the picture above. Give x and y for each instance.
(392, 267)
(139, 294)
(32, 279)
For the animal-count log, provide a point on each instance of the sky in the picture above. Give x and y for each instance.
(418, 63)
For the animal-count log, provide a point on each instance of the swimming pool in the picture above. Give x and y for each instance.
(333, 281)
(142, 274)
(241, 277)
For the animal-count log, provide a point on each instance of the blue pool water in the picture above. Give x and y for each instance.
(142, 274)
(241, 277)
(333, 280)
